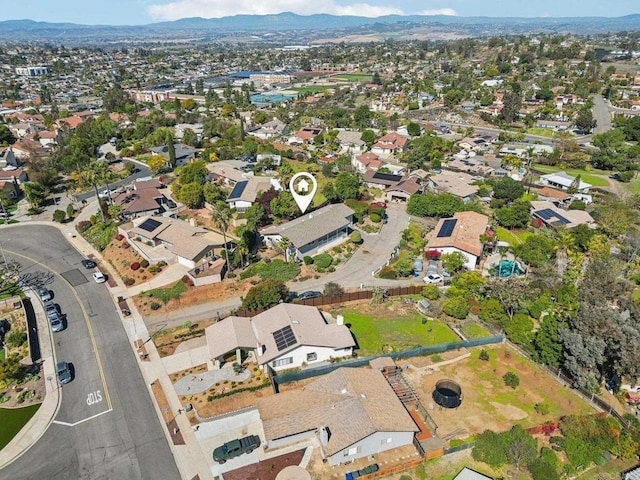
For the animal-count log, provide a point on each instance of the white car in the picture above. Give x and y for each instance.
(433, 278)
(99, 277)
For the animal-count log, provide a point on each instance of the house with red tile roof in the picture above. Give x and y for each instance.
(390, 144)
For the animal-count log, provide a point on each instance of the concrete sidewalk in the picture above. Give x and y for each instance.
(38, 424)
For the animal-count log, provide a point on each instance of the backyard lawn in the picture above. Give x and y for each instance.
(377, 334)
(12, 420)
(541, 132)
(513, 237)
(353, 77)
(597, 178)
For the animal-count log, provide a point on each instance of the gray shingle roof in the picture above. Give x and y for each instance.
(314, 225)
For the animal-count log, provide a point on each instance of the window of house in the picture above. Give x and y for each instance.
(312, 357)
(282, 361)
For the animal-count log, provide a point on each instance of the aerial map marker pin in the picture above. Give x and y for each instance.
(303, 187)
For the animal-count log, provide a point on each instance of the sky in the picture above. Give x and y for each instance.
(138, 12)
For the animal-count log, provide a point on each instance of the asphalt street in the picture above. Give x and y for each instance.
(143, 171)
(106, 427)
(601, 114)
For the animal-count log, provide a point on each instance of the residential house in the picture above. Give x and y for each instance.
(553, 125)
(15, 175)
(353, 412)
(547, 213)
(305, 135)
(189, 245)
(285, 336)
(25, 148)
(245, 192)
(563, 181)
(456, 183)
(143, 198)
(270, 159)
(390, 144)
(468, 474)
(524, 152)
(553, 195)
(366, 161)
(7, 158)
(461, 233)
(226, 173)
(631, 474)
(9, 188)
(351, 142)
(404, 189)
(374, 179)
(271, 129)
(313, 232)
(184, 153)
(197, 128)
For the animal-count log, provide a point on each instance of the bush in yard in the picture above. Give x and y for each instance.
(186, 279)
(375, 218)
(70, 210)
(59, 216)
(154, 306)
(153, 269)
(128, 281)
(543, 408)
(125, 245)
(265, 295)
(456, 307)
(355, 237)
(15, 338)
(332, 289)
(144, 263)
(323, 260)
(511, 380)
(119, 237)
(134, 266)
(307, 260)
(388, 273)
(484, 355)
(431, 292)
(82, 226)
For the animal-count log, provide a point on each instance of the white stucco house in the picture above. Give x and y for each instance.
(353, 412)
(461, 233)
(285, 336)
(563, 181)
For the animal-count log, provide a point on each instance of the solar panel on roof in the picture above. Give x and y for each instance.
(149, 225)
(238, 189)
(447, 228)
(387, 176)
(547, 214)
(284, 338)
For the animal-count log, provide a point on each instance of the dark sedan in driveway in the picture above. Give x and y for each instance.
(309, 294)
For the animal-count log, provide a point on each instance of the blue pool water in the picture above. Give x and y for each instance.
(508, 267)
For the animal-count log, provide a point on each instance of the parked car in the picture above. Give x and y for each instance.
(63, 372)
(86, 263)
(235, 448)
(379, 204)
(433, 278)
(57, 323)
(44, 294)
(51, 309)
(99, 277)
(309, 294)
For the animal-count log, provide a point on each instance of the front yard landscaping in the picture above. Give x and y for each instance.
(597, 178)
(167, 341)
(12, 421)
(131, 267)
(393, 328)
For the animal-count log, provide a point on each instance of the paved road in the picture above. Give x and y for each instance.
(106, 427)
(143, 171)
(601, 114)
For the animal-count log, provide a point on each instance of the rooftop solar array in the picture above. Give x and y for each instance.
(447, 228)
(387, 176)
(238, 189)
(547, 214)
(149, 225)
(284, 338)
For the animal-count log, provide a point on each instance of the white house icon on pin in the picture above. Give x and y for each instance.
(303, 186)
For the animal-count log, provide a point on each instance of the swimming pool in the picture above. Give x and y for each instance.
(506, 268)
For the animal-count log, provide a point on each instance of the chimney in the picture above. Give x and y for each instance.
(325, 434)
(340, 319)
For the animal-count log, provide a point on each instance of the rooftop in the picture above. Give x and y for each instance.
(462, 232)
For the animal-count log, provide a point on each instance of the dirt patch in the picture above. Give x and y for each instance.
(266, 469)
(167, 341)
(120, 255)
(223, 405)
(487, 403)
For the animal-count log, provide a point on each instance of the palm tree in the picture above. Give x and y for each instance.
(565, 244)
(221, 215)
(243, 250)
(283, 245)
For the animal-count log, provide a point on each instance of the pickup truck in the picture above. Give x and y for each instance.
(235, 448)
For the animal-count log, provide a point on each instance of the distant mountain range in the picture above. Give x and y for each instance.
(288, 26)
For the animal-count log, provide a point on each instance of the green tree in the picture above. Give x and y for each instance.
(508, 189)
(347, 186)
(193, 172)
(489, 448)
(171, 150)
(491, 311)
(36, 194)
(115, 99)
(413, 129)
(156, 162)
(519, 329)
(284, 207)
(191, 195)
(511, 104)
(6, 137)
(453, 262)
(456, 307)
(536, 250)
(368, 137)
(521, 447)
(59, 216)
(517, 215)
(585, 121)
(434, 205)
(265, 295)
(11, 369)
(221, 216)
(511, 379)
